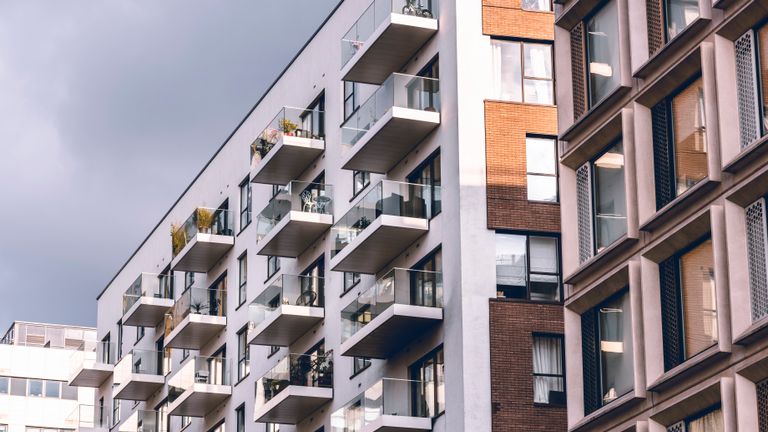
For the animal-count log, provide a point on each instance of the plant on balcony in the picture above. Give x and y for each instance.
(287, 126)
(204, 220)
(178, 238)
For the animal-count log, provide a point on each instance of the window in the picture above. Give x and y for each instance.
(537, 5)
(688, 305)
(139, 333)
(242, 263)
(5, 385)
(240, 418)
(350, 98)
(527, 267)
(679, 14)
(548, 370)
(3, 428)
(162, 416)
(360, 364)
(273, 349)
(428, 174)
(34, 387)
(189, 279)
(53, 389)
(273, 427)
(541, 168)
(119, 340)
(708, 421)
(184, 353)
(101, 412)
(115, 411)
(351, 279)
(522, 71)
(221, 427)
(273, 265)
(313, 283)
(430, 374)
(245, 203)
(360, 180)
(602, 46)
(163, 356)
(165, 282)
(606, 332)
(313, 118)
(243, 353)
(426, 280)
(185, 421)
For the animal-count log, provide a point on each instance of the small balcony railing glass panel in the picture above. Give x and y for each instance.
(306, 197)
(202, 221)
(387, 397)
(148, 285)
(199, 370)
(144, 362)
(304, 370)
(90, 353)
(355, 38)
(399, 286)
(199, 301)
(143, 421)
(296, 122)
(286, 290)
(399, 90)
(386, 198)
(87, 417)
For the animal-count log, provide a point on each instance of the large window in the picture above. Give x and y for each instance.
(242, 264)
(548, 370)
(429, 173)
(527, 267)
(522, 72)
(429, 372)
(602, 49)
(607, 351)
(243, 351)
(245, 203)
(610, 201)
(541, 168)
(679, 14)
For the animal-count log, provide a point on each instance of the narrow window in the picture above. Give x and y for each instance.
(426, 180)
(360, 180)
(429, 374)
(245, 203)
(119, 340)
(350, 99)
(273, 265)
(139, 333)
(351, 279)
(243, 278)
(541, 167)
(602, 46)
(240, 418)
(610, 206)
(243, 351)
(548, 370)
(360, 364)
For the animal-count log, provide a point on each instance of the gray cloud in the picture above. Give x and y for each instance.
(107, 111)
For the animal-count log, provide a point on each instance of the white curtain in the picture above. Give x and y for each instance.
(710, 422)
(547, 359)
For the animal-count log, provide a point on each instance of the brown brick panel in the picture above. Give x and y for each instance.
(512, 327)
(506, 125)
(505, 18)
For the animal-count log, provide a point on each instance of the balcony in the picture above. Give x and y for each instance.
(392, 313)
(291, 391)
(386, 127)
(197, 316)
(138, 375)
(201, 385)
(147, 300)
(91, 364)
(85, 418)
(385, 36)
(285, 148)
(143, 421)
(381, 225)
(294, 219)
(286, 310)
(390, 405)
(202, 240)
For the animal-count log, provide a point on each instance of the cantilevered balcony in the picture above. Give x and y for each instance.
(390, 405)
(294, 219)
(287, 146)
(201, 385)
(291, 391)
(196, 317)
(147, 300)
(202, 240)
(386, 127)
(396, 310)
(385, 37)
(381, 225)
(286, 310)
(91, 364)
(138, 375)
(85, 418)
(143, 421)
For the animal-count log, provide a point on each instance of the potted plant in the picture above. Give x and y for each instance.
(178, 239)
(204, 220)
(287, 126)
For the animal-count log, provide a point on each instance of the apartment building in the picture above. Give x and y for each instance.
(663, 177)
(35, 363)
(374, 248)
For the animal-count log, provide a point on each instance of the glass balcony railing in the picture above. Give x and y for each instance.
(387, 397)
(299, 196)
(402, 91)
(286, 290)
(137, 361)
(204, 221)
(87, 417)
(143, 421)
(303, 370)
(399, 286)
(199, 301)
(301, 123)
(354, 40)
(148, 285)
(199, 370)
(91, 353)
(386, 198)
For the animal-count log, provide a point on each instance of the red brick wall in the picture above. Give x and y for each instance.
(505, 18)
(512, 326)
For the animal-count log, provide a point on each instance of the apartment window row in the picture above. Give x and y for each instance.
(528, 267)
(522, 71)
(37, 388)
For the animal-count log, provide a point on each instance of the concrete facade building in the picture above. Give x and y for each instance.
(663, 173)
(374, 248)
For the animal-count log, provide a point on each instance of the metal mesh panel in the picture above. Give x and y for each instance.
(762, 406)
(584, 210)
(671, 321)
(677, 427)
(653, 12)
(590, 361)
(578, 71)
(756, 249)
(662, 155)
(746, 89)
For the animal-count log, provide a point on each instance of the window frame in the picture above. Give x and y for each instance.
(593, 191)
(240, 418)
(245, 208)
(522, 43)
(350, 96)
(364, 185)
(429, 162)
(270, 271)
(242, 279)
(551, 8)
(561, 339)
(243, 354)
(556, 175)
(365, 361)
(590, 103)
(418, 365)
(558, 257)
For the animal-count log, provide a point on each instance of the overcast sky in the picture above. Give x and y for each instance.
(107, 111)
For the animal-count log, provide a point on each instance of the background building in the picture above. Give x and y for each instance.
(663, 173)
(35, 362)
(375, 247)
